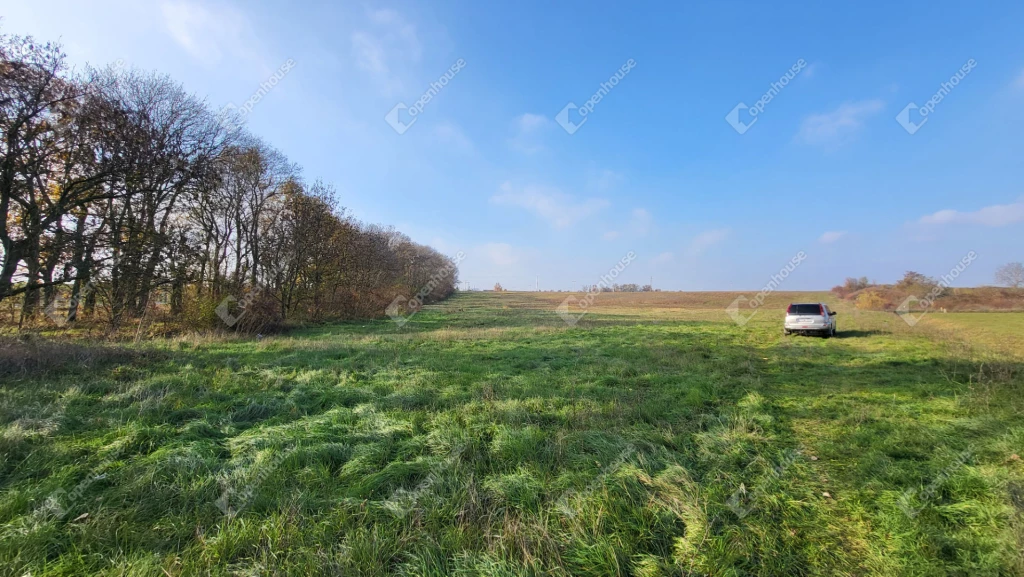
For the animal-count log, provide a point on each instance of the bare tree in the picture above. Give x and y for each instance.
(1011, 275)
(118, 186)
(49, 167)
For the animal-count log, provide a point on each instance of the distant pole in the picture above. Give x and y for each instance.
(538, 284)
(573, 286)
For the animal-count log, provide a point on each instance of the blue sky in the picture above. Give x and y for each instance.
(656, 169)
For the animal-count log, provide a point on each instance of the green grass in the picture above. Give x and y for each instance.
(1001, 331)
(489, 438)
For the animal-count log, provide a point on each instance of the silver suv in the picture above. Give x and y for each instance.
(810, 318)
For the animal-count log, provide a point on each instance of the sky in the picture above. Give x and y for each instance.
(713, 140)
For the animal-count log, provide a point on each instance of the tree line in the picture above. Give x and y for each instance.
(619, 288)
(121, 194)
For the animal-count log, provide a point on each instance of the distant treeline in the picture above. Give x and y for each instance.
(619, 288)
(915, 290)
(120, 191)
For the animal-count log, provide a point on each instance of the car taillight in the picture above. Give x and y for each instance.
(789, 309)
(822, 309)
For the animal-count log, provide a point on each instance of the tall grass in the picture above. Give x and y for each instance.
(488, 438)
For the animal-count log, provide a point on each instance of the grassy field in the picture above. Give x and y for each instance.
(1004, 332)
(489, 437)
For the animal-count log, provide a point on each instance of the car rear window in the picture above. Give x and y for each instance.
(804, 310)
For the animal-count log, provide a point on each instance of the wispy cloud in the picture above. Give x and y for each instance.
(1018, 81)
(832, 236)
(663, 258)
(208, 32)
(840, 125)
(611, 235)
(550, 203)
(995, 215)
(527, 130)
(602, 180)
(529, 122)
(451, 135)
(706, 240)
(369, 53)
(500, 253)
(385, 44)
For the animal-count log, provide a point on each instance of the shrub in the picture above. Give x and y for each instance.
(870, 300)
(255, 312)
(262, 314)
(851, 285)
(913, 279)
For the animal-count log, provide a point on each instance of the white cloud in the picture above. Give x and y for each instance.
(549, 203)
(602, 180)
(832, 236)
(995, 215)
(369, 53)
(385, 47)
(526, 133)
(833, 128)
(1018, 82)
(611, 235)
(706, 240)
(663, 258)
(450, 134)
(500, 253)
(207, 31)
(529, 122)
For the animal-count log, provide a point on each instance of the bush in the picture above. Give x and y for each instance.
(255, 312)
(913, 279)
(262, 314)
(199, 314)
(851, 285)
(870, 300)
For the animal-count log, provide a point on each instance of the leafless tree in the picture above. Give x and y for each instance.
(1011, 275)
(117, 186)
